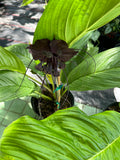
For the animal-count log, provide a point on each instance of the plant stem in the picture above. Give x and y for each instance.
(43, 96)
(58, 92)
(39, 83)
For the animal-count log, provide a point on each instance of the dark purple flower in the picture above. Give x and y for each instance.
(52, 54)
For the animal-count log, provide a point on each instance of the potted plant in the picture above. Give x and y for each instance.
(62, 31)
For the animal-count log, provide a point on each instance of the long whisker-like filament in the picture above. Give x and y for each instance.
(24, 76)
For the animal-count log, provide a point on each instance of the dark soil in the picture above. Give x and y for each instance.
(44, 107)
(114, 107)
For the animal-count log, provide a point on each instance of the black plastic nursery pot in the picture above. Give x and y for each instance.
(44, 107)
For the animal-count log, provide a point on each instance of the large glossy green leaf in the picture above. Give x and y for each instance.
(66, 135)
(8, 61)
(98, 72)
(70, 20)
(10, 85)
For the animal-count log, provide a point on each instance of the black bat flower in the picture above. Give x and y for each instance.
(52, 54)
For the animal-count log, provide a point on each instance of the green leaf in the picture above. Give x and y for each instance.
(8, 61)
(98, 72)
(83, 55)
(66, 135)
(4, 157)
(83, 41)
(70, 20)
(10, 83)
(26, 2)
(21, 51)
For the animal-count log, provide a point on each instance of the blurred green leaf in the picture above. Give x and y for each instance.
(4, 157)
(26, 2)
(8, 61)
(66, 135)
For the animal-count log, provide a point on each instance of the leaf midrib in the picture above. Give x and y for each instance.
(88, 75)
(88, 29)
(104, 148)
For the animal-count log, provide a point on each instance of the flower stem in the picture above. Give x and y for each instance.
(58, 92)
(43, 96)
(39, 83)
